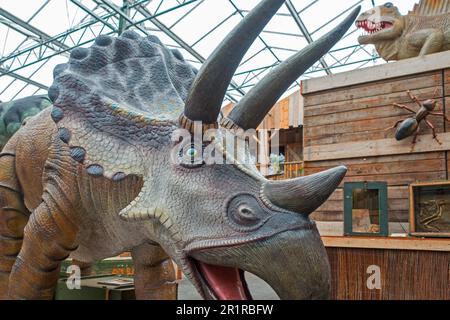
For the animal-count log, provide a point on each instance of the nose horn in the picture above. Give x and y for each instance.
(305, 194)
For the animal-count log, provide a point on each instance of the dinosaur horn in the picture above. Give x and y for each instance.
(212, 81)
(252, 109)
(305, 194)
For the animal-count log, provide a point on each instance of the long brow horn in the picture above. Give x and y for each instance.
(210, 86)
(252, 108)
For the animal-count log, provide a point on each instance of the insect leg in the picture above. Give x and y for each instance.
(402, 106)
(433, 129)
(394, 126)
(440, 114)
(414, 98)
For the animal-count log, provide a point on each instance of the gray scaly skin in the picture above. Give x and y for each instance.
(109, 169)
(13, 113)
(398, 37)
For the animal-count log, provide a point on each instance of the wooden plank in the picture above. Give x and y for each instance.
(400, 178)
(411, 82)
(381, 125)
(382, 159)
(291, 113)
(425, 143)
(395, 170)
(336, 228)
(447, 112)
(377, 112)
(382, 99)
(448, 164)
(338, 205)
(394, 216)
(447, 82)
(376, 73)
(396, 192)
(356, 170)
(284, 113)
(362, 129)
(294, 109)
(388, 243)
(359, 136)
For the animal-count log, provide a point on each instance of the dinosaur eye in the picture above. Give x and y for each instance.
(191, 152)
(388, 4)
(191, 156)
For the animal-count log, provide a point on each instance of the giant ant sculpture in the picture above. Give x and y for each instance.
(410, 126)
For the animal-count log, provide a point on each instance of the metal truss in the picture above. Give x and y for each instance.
(112, 17)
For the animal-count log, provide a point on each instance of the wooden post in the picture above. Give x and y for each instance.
(263, 151)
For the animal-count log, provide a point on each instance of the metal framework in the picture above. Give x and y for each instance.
(21, 67)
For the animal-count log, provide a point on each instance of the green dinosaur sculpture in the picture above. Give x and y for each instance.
(111, 167)
(13, 113)
(424, 30)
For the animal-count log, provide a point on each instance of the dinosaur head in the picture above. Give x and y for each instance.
(225, 217)
(118, 106)
(384, 19)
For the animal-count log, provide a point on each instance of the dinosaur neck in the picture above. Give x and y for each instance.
(387, 49)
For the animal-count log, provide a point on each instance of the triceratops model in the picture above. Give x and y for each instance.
(423, 31)
(97, 174)
(13, 113)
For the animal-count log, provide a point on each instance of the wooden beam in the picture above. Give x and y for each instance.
(386, 71)
(392, 243)
(375, 148)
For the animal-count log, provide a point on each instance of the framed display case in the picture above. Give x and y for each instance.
(429, 209)
(365, 209)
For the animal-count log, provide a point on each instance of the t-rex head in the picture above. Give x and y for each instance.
(381, 23)
(204, 202)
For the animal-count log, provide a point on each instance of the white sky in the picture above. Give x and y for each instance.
(61, 15)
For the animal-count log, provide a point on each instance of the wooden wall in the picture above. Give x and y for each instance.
(285, 114)
(346, 125)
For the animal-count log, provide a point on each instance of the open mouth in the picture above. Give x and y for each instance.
(372, 27)
(225, 283)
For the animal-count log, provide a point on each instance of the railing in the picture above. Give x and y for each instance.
(288, 170)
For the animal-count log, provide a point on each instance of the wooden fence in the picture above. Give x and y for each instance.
(289, 170)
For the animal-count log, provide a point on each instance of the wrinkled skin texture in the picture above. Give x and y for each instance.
(398, 37)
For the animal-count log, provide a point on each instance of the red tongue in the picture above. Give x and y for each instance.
(226, 283)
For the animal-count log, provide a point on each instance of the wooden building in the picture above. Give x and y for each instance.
(285, 120)
(346, 121)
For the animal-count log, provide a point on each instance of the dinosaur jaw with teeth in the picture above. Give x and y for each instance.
(373, 27)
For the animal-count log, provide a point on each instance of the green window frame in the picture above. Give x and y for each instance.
(382, 205)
